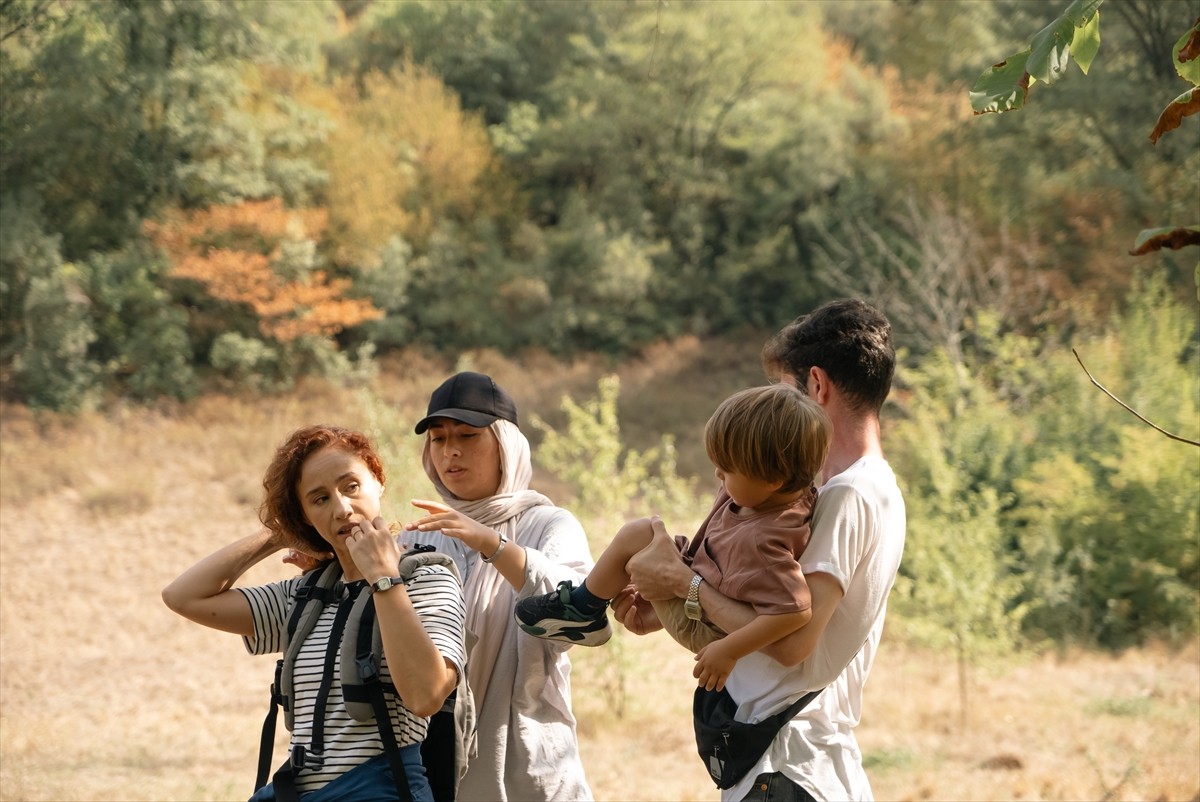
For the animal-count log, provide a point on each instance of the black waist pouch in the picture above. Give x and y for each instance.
(731, 748)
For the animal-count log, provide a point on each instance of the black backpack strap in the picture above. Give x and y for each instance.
(316, 751)
(372, 682)
(323, 586)
(266, 742)
(440, 752)
(283, 782)
(311, 588)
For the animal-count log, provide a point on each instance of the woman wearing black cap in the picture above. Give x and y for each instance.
(509, 542)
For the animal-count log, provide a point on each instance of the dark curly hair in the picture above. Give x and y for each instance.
(849, 339)
(281, 510)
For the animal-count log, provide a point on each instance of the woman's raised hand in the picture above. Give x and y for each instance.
(373, 549)
(453, 523)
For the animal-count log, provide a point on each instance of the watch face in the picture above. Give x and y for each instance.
(383, 583)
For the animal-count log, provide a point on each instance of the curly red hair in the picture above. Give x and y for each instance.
(281, 510)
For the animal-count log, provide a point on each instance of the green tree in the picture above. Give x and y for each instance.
(122, 106)
(142, 340)
(46, 319)
(1024, 481)
(494, 53)
(612, 482)
(955, 449)
(695, 136)
(113, 111)
(1107, 518)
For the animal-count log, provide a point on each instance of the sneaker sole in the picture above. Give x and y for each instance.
(569, 634)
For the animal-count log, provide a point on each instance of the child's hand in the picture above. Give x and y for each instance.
(713, 666)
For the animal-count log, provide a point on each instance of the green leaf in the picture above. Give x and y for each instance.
(1053, 45)
(1087, 43)
(1186, 55)
(1080, 12)
(1051, 50)
(1074, 32)
(1003, 87)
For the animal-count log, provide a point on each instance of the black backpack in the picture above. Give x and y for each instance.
(363, 691)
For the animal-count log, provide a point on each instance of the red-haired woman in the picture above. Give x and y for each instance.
(323, 491)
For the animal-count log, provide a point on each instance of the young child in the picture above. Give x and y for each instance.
(768, 445)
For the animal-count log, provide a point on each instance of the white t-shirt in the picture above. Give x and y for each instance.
(857, 538)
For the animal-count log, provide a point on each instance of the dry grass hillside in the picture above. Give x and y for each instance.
(105, 695)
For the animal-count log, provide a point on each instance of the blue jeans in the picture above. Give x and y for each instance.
(370, 782)
(775, 787)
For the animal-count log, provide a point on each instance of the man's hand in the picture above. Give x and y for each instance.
(658, 571)
(635, 612)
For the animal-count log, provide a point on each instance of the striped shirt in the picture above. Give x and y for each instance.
(436, 596)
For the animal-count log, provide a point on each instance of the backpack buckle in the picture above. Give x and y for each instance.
(367, 671)
(306, 593)
(302, 758)
(277, 697)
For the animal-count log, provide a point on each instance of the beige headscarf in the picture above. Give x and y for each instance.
(488, 604)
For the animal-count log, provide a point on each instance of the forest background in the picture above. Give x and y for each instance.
(222, 219)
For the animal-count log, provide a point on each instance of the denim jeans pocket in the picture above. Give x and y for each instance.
(775, 787)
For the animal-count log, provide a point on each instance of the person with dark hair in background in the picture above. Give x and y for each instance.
(840, 355)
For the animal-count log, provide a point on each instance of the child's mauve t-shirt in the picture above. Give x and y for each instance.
(754, 556)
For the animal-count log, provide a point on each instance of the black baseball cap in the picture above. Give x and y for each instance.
(470, 398)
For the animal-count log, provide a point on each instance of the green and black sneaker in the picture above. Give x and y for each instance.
(553, 617)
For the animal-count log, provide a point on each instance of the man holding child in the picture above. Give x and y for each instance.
(841, 356)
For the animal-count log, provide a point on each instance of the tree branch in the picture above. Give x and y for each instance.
(1131, 409)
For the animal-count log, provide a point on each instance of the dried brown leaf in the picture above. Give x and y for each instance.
(1172, 239)
(1186, 104)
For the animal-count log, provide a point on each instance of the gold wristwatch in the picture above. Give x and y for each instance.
(691, 605)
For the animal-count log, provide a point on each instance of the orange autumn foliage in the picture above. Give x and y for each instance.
(232, 251)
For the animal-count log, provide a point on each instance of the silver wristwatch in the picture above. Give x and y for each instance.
(691, 605)
(385, 583)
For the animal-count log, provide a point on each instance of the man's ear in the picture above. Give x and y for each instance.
(819, 385)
